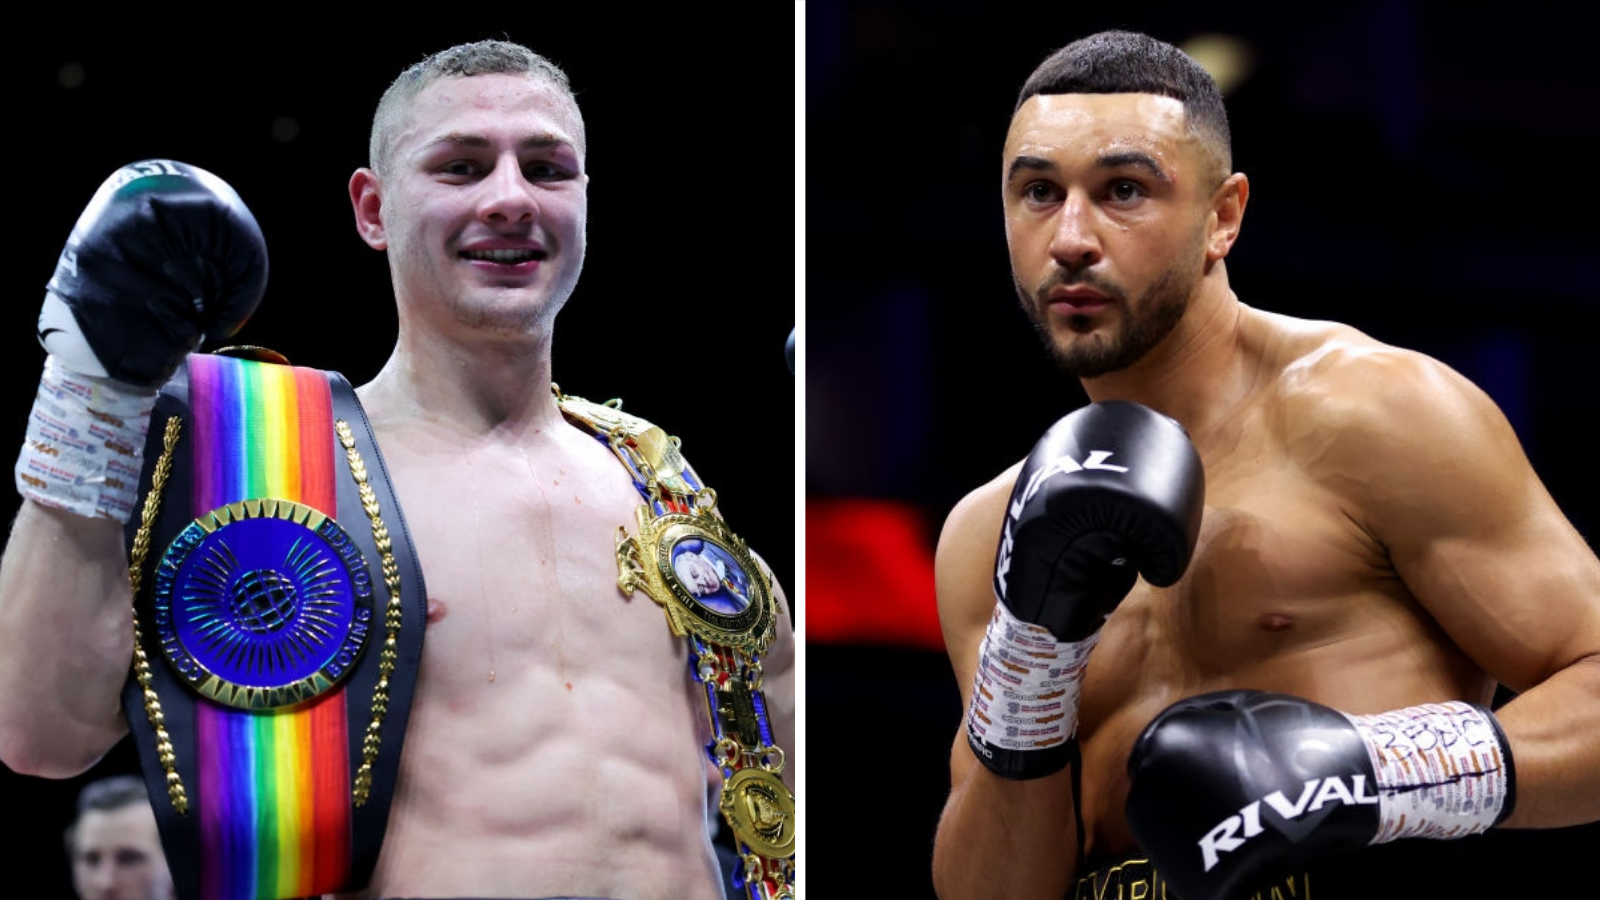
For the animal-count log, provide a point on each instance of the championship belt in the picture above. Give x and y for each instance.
(717, 598)
(278, 622)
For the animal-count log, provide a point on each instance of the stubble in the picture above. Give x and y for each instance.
(1146, 322)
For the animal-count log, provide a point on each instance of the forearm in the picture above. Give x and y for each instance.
(1000, 838)
(66, 641)
(1554, 733)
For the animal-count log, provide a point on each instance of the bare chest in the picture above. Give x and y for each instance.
(1280, 559)
(521, 571)
(1286, 591)
(1282, 564)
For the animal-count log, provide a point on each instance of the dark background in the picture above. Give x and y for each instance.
(688, 248)
(1422, 171)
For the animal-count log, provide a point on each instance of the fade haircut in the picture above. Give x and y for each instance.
(460, 61)
(1126, 62)
(105, 795)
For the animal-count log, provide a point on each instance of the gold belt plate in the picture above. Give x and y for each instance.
(703, 575)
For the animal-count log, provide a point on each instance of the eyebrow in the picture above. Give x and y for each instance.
(535, 142)
(1107, 161)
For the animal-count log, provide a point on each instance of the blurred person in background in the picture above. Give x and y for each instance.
(113, 843)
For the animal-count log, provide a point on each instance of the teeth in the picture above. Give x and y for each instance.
(502, 256)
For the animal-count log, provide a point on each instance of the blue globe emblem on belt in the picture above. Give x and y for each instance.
(262, 604)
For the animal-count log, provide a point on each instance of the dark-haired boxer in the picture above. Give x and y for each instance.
(1371, 555)
(572, 693)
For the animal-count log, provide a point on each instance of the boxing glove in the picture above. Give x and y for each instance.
(164, 257)
(1231, 789)
(1112, 491)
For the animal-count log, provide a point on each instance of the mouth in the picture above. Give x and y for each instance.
(1085, 295)
(1078, 308)
(505, 257)
(1077, 296)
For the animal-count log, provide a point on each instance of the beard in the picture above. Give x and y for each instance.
(1156, 313)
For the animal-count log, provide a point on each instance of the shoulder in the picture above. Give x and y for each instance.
(598, 417)
(1350, 386)
(642, 438)
(1337, 384)
(1383, 422)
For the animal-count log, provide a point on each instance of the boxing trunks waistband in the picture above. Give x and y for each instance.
(1476, 866)
(1136, 879)
(278, 620)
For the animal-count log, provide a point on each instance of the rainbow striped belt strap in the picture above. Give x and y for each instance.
(278, 616)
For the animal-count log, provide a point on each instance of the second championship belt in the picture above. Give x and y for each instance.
(716, 597)
(278, 616)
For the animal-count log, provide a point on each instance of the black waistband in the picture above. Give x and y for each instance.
(1137, 879)
(1124, 880)
(1496, 864)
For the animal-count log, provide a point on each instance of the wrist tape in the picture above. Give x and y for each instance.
(85, 444)
(1443, 770)
(1025, 693)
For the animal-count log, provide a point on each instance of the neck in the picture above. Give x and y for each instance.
(476, 386)
(1199, 372)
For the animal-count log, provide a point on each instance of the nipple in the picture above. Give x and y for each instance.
(1274, 621)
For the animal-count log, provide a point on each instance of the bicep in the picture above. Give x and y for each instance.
(1479, 541)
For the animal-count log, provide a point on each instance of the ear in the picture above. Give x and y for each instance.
(366, 197)
(1227, 206)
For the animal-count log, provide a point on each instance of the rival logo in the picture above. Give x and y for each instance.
(1317, 793)
(132, 173)
(1062, 465)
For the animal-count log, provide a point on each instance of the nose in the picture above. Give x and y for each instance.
(1076, 242)
(101, 878)
(508, 197)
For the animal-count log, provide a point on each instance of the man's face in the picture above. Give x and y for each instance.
(1107, 205)
(117, 856)
(484, 204)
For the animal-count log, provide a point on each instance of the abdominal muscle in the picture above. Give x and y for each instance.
(531, 789)
(556, 740)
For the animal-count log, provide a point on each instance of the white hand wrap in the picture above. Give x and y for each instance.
(1443, 771)
(1025, 695)
(85, 444)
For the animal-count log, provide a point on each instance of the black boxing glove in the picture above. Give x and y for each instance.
(1112, 491)
(1234, 788)
(164, 257)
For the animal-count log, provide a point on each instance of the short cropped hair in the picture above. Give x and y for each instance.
(1127, 62)
(460, 61)
(106, 795)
